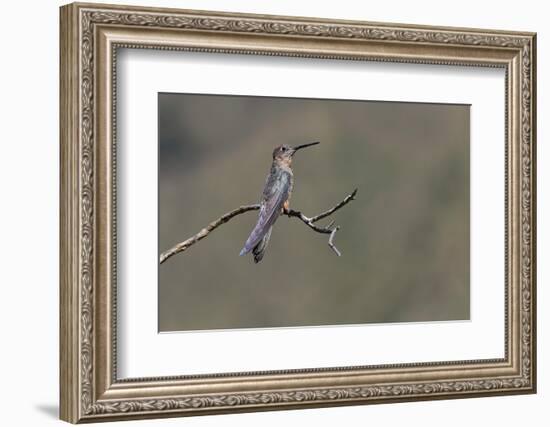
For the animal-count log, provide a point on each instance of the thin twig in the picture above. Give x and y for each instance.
(331, 241)
(182, 246)
(344, 202)
(327, 229)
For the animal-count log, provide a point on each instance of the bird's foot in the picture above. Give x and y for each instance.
(286, 208)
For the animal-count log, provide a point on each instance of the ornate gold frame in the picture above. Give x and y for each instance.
(90, 36)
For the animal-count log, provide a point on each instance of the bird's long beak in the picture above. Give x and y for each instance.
(299, 147)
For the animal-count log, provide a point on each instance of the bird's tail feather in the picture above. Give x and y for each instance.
(255, 237)
(259, 249)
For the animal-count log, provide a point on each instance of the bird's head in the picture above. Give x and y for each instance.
(283, 153)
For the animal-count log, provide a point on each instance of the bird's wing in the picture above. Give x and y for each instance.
(275, 194)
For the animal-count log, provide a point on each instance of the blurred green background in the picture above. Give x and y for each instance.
(404, 241)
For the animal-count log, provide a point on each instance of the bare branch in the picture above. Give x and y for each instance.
(343, 203)
(180, 247)
(331, 241)
(327, 229)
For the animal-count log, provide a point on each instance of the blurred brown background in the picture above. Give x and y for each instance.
(405, 240)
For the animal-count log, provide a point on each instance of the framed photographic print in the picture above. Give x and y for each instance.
(265, 212)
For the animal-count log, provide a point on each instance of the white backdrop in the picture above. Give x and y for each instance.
(29, 219)
(145, 353)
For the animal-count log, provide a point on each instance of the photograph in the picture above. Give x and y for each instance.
(263, 211)
(293, 212)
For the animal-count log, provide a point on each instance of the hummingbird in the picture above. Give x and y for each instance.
(275, 199)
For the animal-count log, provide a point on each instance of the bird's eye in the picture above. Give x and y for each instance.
(283, 148)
